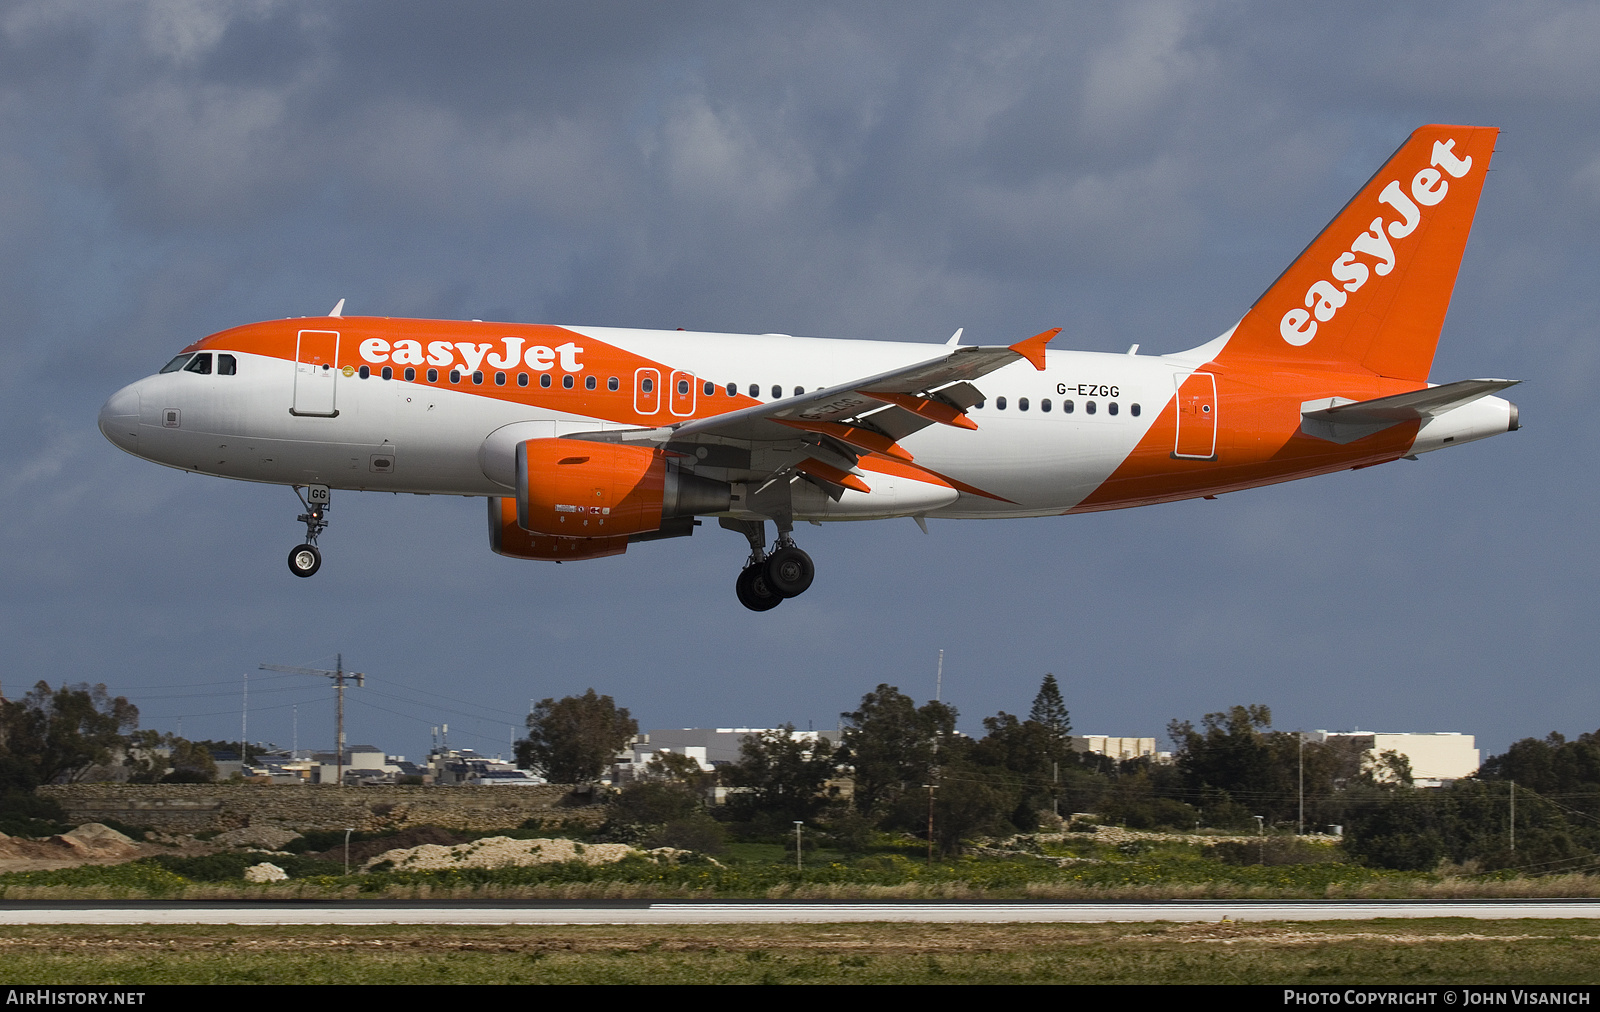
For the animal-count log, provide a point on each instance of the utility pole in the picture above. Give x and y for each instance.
(1300, 830)
(244, 718)
(339, 676)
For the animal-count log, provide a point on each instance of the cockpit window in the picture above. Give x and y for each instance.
(227, 365)
(201, 363)
(175, 364)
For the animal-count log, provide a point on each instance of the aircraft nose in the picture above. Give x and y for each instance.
(119, 418)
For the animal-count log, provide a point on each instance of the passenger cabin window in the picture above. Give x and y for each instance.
(201, 364)
(1044, 405)
(777, 392)
(567, 381)
(364, 372)
(755, 388)
(387, 373)
(227, 365)
(1134, 410)
(589, 382)
(1022, 404)
(613, 384)
(411, 374)
(999, 403)
(544, 379)
(175, 364)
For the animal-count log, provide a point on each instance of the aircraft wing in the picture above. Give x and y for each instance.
(822, 434)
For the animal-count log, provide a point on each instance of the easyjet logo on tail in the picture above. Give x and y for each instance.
(506, 354)
(1325, 298)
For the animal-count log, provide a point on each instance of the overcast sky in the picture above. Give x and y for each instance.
(1129, 172)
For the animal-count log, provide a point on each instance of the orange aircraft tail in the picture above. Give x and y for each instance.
(1370, 292)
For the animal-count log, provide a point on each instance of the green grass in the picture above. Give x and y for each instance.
(756, 870)
(1441, 951)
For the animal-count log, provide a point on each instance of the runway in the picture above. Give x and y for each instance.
(505, 913)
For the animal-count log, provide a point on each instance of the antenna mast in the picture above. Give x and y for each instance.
(339, 676)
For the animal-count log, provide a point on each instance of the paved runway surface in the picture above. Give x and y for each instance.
(772, 913)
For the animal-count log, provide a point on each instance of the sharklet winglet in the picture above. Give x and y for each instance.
(1033, 348)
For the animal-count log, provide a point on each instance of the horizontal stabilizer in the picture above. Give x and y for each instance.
(1339, 420)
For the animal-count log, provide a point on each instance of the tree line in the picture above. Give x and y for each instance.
(900, 767)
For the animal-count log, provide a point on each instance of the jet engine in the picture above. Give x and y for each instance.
(573, 488)
(508, 539)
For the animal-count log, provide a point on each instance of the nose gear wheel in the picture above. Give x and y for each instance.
(304, 560)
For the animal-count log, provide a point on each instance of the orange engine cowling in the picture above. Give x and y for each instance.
(576, 489)
(573, 488)
(507, 538)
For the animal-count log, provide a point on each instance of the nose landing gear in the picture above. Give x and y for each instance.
(767, 580)
(305, 560)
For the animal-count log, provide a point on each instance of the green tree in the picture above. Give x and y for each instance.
(154, 757)
(60, 734)
(1050, 710)
(573, 739)
(782, 774)
(891, 744)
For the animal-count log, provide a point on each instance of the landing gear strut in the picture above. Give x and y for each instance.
(766, 580)
(305, 560)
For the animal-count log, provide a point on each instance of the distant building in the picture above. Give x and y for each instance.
(458, 767)
(362, 764)
(709, 747)
(1436, 758)
(1113, 747)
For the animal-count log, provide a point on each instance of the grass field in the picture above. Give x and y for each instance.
(1443, 951)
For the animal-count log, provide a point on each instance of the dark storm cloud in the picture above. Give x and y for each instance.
(1134, 173)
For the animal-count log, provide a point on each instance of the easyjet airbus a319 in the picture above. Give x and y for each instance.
(586, 439)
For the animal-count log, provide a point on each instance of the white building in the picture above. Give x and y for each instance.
(1116, 748)
(1436, 757)
(709, 747)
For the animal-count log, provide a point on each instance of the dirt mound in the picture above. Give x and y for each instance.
(91, 843)
(502, 852)
(262, 837)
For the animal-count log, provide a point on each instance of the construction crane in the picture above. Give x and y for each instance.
(339, 675)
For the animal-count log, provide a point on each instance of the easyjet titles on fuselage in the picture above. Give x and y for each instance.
(538, 357)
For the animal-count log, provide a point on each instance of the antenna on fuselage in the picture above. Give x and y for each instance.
(338, 309)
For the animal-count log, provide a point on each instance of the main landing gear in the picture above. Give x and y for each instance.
(305, 560)
(767, 580)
